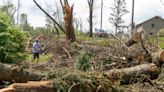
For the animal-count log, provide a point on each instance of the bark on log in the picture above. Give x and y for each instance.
(136, 37)
(16, 74)
(44, 86)
(125, 74)
(162, 57)
(131, 74)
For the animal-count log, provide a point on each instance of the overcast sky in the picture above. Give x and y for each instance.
(144, 9)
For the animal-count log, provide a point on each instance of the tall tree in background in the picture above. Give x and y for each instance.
(9, 8)
(116, 16)
(18, 11)
(91, 4)
(24, 22)
(76, 23)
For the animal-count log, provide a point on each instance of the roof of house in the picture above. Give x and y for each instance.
(150, 20)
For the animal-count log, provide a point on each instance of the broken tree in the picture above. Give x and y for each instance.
(68, 19)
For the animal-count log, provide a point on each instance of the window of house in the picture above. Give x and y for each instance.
(153, 25)
(151, 33)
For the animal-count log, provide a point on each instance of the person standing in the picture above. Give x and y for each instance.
(36, 50)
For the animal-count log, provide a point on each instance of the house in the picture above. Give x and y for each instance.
(152, 26)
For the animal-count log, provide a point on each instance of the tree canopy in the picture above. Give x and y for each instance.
(12, 41)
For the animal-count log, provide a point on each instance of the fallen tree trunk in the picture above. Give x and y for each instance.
(15, 74)
(44, 86)
(125, 74)
(128, 75)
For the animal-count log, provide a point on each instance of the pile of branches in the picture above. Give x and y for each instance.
(135, 63)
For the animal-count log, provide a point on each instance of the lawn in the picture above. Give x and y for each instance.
(43, 58)
(155, 40)
(162, 42)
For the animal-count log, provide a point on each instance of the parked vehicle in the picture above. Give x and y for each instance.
(100, 33)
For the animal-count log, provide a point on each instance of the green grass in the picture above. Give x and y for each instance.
(95, 41)
(43, 58)
(161, 42)
(154, 40)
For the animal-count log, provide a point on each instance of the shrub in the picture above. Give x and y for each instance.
(12, 40)
(83, 62)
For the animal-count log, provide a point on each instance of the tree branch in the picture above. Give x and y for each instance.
(49, 16)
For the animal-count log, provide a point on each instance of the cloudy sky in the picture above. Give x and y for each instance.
(144, 9)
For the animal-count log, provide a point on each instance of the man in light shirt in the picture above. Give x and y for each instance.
(36, 50)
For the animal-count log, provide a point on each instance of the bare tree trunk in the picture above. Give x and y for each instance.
(90, 24)
(57, 31)
(116, 29)
(68, 18)
(90, 3)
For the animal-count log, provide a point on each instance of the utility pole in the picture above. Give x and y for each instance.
(101, 14)
(18, 11)
(132, 20)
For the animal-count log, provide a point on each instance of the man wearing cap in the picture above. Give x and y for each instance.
(36, 50)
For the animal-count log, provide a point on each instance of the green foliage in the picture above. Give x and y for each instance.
(40, 30)
(161, 33)
(43, 58)
(155, 40)
(74, 45)
(12, 41)
(83, 62)
(83, 82)
(161, 42)
(9, 9)
(4, 22)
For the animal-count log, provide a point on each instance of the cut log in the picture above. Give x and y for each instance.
(131, 74)
(15, 74)
(136, 37)
(162, 57)
(44, 86)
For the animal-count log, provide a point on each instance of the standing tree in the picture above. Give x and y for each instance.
(116, 16)
(12, 40)
(24, 23)
(9, 8)
(91, 4)
(68, 19)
